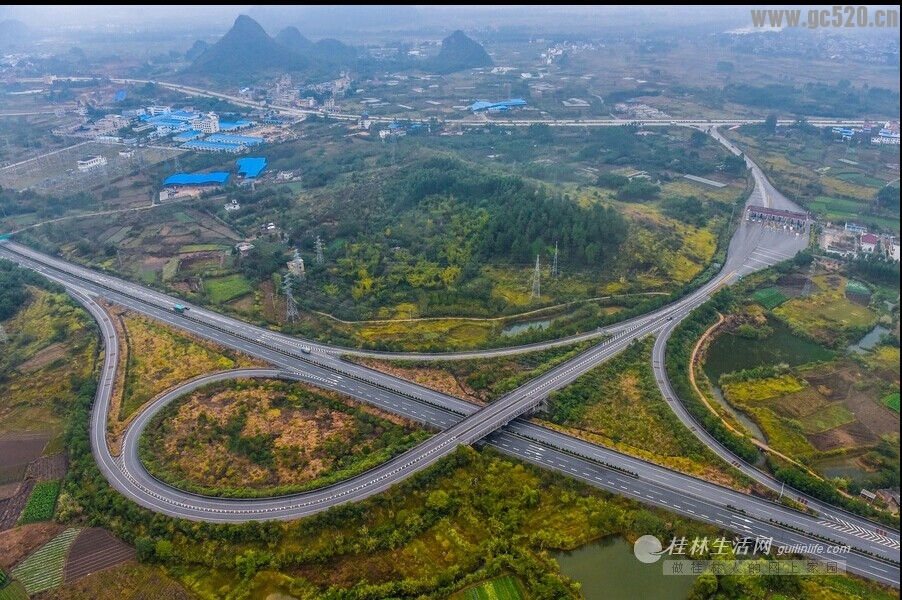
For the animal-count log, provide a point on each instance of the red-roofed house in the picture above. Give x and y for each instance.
(868, 242)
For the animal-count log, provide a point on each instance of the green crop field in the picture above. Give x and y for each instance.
(223, 289)
(892, 401)
(769, 298)
(41, 503)
(13, 591)
(502, 588)
(43, 570)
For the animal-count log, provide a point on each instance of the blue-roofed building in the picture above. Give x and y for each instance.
(215, 178)
(250, 167)
(504, 105)
(187, 136)
(213, 146)
(238, 140)
(235, 125)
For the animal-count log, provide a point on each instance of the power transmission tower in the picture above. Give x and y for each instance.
(806, 291)
(319, 251)
(536, 286)
(3, 338)
(299, 266)
(554, 271)
(291, 307)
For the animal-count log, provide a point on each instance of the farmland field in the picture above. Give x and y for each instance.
(94, 550)
(892, 401)
(43, 570)
(41, 503)
(769, 298)
(223, 289)
(502, 588)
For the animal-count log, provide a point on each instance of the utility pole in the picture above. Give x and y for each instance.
(536, 286)
(554, 271)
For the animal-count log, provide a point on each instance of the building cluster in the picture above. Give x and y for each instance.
(189, 129)
(639, 111)
(888, 134)
(282, 92)
(854, 240)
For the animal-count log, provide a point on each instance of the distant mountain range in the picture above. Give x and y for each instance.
(246, 52)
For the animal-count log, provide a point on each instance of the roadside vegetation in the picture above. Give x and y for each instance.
(155, 358)
(260, 438)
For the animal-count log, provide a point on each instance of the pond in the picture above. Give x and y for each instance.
(521, 327)
(608, 570)
(729, 353)
(840, 466)
(867, 343)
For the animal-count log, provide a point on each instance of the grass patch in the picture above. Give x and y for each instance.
(203, 248)
(183, 217)
(42, 502)
(501, 588)
(892, 401)
(223, 289)
(54, 341)
(760, 389)
(769, 298)
(833, 416)
(171, 268)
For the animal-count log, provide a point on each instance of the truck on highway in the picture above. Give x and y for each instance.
(179, 308)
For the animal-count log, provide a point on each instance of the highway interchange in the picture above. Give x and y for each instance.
(459, 422)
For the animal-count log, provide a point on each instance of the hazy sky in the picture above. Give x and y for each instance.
(317, 17)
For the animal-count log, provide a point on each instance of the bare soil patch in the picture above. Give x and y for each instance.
(798, 404)
(12, 475)
(130, 579)
(835, 385)
(878, 418)
(43, 358)
(16, 544)
(21, 451)
(850, 435)
(48, 468)
(16, 504)
(95, 549)
(7, 491)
